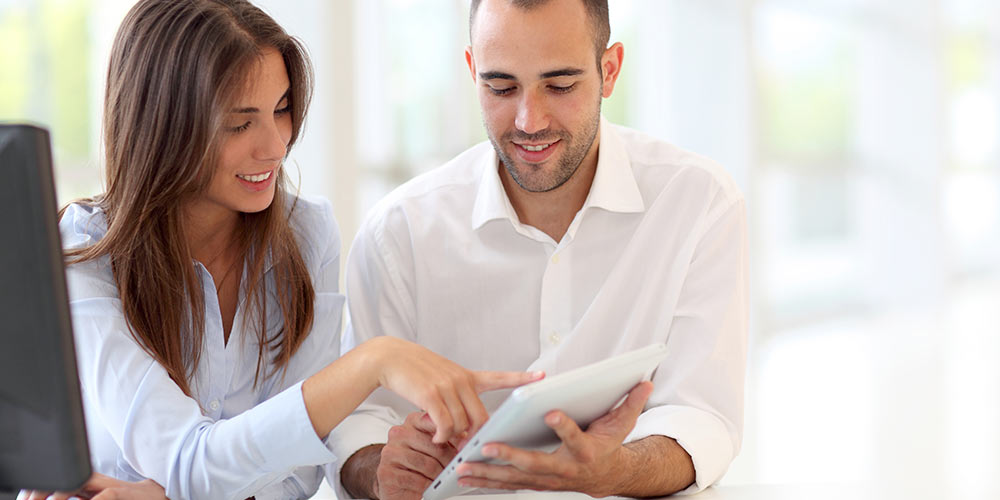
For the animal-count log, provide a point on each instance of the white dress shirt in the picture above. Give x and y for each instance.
(658, 253)
(232, 440)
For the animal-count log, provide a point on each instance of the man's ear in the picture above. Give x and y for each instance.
(471, 61)
(611, 67)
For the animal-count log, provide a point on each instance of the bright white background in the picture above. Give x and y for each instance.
(864, 134)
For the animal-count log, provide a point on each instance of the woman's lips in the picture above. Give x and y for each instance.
(257, 182)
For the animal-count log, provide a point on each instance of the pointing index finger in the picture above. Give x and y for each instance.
(490, 380)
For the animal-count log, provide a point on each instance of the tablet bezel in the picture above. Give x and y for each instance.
(584, 394)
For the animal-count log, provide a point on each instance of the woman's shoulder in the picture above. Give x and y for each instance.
(312, 220)
(82, 225)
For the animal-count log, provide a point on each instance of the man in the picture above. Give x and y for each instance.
(567, 241)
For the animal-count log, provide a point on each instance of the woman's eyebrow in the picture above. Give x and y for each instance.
(257, 110)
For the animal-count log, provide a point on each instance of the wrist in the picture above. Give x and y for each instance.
(369, 361)
(619, 476)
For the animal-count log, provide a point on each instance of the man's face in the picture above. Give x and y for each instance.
(539, 88)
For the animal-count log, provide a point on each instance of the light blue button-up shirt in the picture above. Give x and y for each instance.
(231, 440)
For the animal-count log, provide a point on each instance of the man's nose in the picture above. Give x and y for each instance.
(532, 114)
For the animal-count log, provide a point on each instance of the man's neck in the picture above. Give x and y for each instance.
(552, 212)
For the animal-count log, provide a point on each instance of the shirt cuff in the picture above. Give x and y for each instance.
(302, 483)
(354, 432)
(284, 434)
(702, 435)
(274, 491)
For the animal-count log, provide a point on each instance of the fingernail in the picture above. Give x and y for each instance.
(555, 419)
(490, 451)
(537, 374)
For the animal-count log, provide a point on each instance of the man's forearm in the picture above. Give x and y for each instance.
(359, 472)
(655, 466)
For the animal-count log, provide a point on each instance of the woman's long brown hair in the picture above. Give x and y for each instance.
(176, 67)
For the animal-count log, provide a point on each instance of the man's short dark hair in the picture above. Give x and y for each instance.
(597, 11)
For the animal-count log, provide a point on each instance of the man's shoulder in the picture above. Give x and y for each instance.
(664, 164)
(444, 190)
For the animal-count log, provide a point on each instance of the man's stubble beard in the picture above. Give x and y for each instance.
(576, 150)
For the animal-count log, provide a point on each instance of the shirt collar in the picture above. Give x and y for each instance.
(614, 187)
(491, 202)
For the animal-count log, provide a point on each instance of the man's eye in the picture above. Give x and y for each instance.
(562, 90)
(505, 91)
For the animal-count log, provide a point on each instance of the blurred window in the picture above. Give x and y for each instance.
(46, 78)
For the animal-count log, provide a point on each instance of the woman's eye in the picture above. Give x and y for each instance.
(240, 128)
(286, 109)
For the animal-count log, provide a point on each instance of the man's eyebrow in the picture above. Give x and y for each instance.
(257, 110)
(496, 75)
(562, 72)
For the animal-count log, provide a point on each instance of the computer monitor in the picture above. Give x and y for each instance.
(43, 441)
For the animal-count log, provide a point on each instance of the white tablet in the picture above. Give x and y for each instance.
(584, 394)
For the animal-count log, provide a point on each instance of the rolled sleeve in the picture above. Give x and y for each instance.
(380, 302)
(141, 425)
(701, 434)
(284, 434)
(699, 388)
(368, 425)
(163, 435)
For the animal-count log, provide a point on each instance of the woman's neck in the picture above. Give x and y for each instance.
(210, 231)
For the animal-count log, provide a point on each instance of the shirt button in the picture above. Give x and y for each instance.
(214, 405)
(555, 259)
(554, 338)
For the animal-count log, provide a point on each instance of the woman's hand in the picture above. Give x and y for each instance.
(101, 487)
(446, 391)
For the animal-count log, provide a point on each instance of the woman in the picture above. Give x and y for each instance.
(202, 293)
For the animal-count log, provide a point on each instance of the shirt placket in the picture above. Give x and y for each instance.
(555, 322)
(211, 399)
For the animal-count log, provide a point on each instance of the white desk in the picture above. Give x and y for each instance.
(988, 490)
(846, 491)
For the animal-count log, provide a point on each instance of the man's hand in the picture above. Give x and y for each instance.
(402, 468)
(420, 448)
(590, 462)
(411, 460)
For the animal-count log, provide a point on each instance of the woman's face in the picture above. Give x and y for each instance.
(257, 131)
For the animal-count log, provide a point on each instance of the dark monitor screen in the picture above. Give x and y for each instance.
(43, 442)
